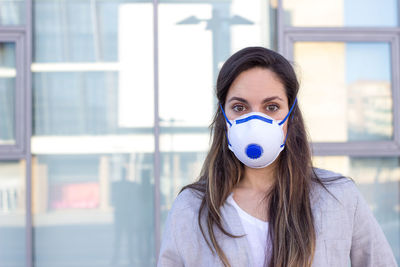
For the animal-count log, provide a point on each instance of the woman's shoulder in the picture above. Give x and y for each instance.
(332, 179)
(334, 189)
(188, 199)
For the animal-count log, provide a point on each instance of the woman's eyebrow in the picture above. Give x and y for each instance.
(271, 98)
(238, 99)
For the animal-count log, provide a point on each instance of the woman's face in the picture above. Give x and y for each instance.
(257, 89)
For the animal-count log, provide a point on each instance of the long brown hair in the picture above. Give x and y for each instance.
(290, 217)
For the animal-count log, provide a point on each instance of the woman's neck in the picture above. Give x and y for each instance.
(258, 180)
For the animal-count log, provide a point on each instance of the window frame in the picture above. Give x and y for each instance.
(21, 150)
(288, 35)
(356, 148)
(17, 150)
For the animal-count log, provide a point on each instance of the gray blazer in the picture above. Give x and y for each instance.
(346, 232)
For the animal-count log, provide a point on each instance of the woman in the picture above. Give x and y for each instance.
(259, 201)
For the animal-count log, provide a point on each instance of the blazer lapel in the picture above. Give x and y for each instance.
(238, 252)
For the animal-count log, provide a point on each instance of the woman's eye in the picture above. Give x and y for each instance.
(238, 108)
(272, 108)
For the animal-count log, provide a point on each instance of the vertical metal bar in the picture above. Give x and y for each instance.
(28, 224)
(280, 27)
(28, 131)
(289, 48)
(398, 13)
(157, 156)
(19, 94)
(395, 58)
(21, 123)
(17, 150)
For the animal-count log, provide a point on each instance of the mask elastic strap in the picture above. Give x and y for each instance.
(284, 142)
(230, 124)
(290, 111)
(223, 112)
(283, 121)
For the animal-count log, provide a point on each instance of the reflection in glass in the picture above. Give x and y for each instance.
(76, 103)
(12, 213)
(345, 90)
(378, 179)
(178, 169)
(99, 204)
(327, 13)
(93, 140)
(7, 93)
(97, 95)
(76, 31)
(208, 34)
(12, 12)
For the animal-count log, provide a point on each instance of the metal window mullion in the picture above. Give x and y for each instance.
(398, 13)
(352, 148)
(19, 97)
(280, 28)
(157, 156)
(12, 29)
(287, 48)
(11, 156)
(17, 150)
(395, 58)
(338, 37)
(11, 151)
(28, 131)
(342, 30)
(21, 36)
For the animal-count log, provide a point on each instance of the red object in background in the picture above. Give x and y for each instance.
(76, 196)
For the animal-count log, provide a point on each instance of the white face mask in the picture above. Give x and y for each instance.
(255, 138)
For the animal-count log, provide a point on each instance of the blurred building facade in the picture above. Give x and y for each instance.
(105, 107)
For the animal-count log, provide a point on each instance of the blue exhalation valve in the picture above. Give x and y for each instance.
(254, 151)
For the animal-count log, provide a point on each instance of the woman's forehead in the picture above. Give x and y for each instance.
(257, 83)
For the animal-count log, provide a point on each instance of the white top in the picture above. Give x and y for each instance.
(256, 232)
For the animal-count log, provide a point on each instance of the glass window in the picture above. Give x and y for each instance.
(99, 204)
(8, 74)
(77, 31)
(194, 41)
(93, 143)
(178, 169)
(345, 90)
(12, 213)
(378, 179)
(354, 13)
(12, 12)
(208, 34)
(77, 103)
